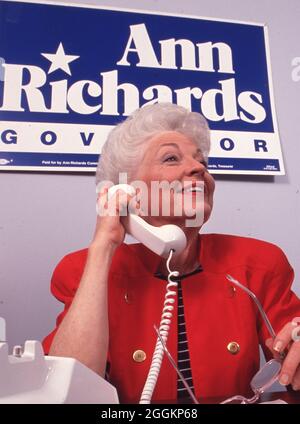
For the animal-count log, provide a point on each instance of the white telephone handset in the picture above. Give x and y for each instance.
(158, 239)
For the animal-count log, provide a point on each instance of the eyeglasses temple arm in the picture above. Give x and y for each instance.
(258, 304)
(175, 366)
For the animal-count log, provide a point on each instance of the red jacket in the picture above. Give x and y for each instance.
(216, 314)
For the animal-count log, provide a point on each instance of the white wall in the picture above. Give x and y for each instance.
(44, 216)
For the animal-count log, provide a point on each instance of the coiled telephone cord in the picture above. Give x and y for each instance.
(164, 332)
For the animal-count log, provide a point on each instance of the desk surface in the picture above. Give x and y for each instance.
(290, 397)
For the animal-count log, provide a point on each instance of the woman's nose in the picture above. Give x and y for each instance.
(193, 166)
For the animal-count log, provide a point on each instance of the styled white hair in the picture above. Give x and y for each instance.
(126, 143)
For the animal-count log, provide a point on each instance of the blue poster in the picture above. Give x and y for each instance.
(69, 73)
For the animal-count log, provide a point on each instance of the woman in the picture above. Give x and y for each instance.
(114, 293)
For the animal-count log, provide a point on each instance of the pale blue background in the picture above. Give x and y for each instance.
(44, 216)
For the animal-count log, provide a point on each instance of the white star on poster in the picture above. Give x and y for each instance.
(59, 60)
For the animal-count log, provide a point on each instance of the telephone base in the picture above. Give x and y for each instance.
(32, 378)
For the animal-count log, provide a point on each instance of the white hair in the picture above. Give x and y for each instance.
(127, 142)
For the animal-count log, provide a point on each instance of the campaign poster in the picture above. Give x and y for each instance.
(69, 73)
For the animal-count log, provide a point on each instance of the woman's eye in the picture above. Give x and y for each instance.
(171, 158)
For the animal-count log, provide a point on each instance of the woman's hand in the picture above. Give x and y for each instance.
(288, 340)
(109, 225)
(84, 332)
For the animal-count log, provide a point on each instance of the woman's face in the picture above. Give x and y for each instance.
(172, 157)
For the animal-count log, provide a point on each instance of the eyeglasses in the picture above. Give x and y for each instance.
(262, 380)
(268, 374)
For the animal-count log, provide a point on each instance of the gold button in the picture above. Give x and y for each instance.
(232, 291)
(233, 348)
(139, 356)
